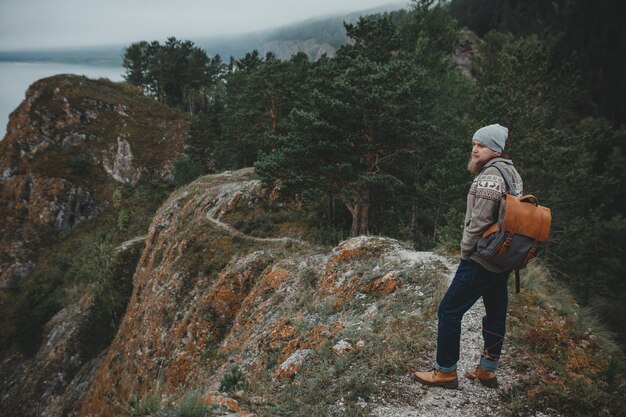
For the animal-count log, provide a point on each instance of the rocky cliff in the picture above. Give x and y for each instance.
(221, 293)
(71, 147)
(208, 296)
(66, 146)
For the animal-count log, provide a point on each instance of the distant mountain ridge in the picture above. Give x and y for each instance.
(314, 36)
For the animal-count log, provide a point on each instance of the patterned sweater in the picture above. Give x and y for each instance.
(483, 203)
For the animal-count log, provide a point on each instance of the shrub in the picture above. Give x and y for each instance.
(233, 380)
(111, 275)
(191, 405)
(123, 219)
(576, 367)
(186, 170)
(80, 165)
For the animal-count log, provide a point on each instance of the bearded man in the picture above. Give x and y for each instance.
(476, 277)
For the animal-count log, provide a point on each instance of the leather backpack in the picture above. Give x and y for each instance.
(522, 227)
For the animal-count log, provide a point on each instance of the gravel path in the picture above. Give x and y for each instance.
(471, 398)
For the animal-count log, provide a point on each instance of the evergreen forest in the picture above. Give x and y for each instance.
(376, 139)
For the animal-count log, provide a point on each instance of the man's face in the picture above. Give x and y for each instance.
(480, 156)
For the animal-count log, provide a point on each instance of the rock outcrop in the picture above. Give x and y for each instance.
(65, 144)
(55, 376)
(68, 146)
(32, 207)
(121, 167)
(207, 296)
(469, 48)
(312, 47)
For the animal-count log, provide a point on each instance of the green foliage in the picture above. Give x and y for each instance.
(33, 305)
(123, 218)
(450, 233)
(590, 31)
(204, 135)
(177, 73)
(234, 380)
(370, 147)
(186, 170)
(111, 275)
(430, 33)
(260, 93)
(81, 165)
(191, 405)
(83, 262)
(146, 406)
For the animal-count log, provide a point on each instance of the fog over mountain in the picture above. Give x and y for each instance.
(39, 24)
(323, 34)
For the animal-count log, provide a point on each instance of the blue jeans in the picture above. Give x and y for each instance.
(471, 282)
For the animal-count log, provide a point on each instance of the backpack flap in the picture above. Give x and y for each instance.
(512, 241)
(524, 216)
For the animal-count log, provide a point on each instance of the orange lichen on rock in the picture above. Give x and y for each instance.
(275, 277)
(294, 363)
(328, 282)
(344, 253)
(387, 284)
(319, 334)
(339, 278)
(214, 399)
(313, 339)
(180, 370)
(280, 333)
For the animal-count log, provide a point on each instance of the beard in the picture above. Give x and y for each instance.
(475, 165)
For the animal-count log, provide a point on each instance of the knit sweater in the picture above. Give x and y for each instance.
(483, 203)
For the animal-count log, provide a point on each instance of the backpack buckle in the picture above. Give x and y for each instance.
(505, 246)
(530, 254)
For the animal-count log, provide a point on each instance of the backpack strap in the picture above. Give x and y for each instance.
(509, 190)
(505, 175)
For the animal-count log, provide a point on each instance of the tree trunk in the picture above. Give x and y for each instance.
(360, 218)
(364, 221)
(356, 220)
(413, 219)
(274, 115)
(331, 208)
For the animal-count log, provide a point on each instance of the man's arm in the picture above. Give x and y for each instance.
(486, 192)
(480, 220)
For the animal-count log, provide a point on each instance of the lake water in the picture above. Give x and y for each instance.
(16, 77)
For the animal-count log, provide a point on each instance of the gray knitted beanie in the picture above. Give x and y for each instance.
(492, 136)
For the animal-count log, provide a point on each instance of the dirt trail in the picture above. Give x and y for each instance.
(470, 399)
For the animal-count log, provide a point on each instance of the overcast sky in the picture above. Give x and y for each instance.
(59, 23)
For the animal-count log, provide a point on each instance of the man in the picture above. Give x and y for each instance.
(476, 277)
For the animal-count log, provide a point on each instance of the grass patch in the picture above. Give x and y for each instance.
(573, 365)
(191, 405)
(259, 217)
(393, 342)
(79, 262)
(233, 381)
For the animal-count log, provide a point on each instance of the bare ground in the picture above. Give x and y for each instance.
(405, 398)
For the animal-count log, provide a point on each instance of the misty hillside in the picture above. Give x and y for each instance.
(313, 36)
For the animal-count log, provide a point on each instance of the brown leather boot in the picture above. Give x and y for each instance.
(485, 377)
(437, 378)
